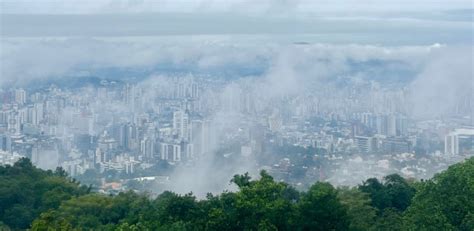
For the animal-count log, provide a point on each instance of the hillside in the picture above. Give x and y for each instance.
(46, 200)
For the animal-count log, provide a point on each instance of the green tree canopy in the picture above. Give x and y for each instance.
(394, 192)
(55, 202)
(445, 202)
(26, 191)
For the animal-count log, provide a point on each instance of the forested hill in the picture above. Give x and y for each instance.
(31, 198)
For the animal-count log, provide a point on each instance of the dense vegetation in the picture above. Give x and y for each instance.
(26, 192)
(46, 200)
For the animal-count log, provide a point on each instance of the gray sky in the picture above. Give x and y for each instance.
(245, 6)
(359, 21)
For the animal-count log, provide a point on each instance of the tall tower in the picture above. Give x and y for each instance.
(20, 96)
(181, 124)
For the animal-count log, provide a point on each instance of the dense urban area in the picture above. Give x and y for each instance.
(167, 132)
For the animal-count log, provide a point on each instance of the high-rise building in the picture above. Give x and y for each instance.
(72, 167)
(365, 144)
(451, 144)
(128, 136)
(194, 90)
(381, 124)
(5, 143)
(106, 143)
(459, 141)
(171, 152)
(391, 125)
(181, 124)
(402, 125)
(393, 145)
(165, 151)
(14, 124)
(100, 156)
(38, 113)
(189, 151)
(20, 96)
(147, 148)
(275, 122)
(176, 153)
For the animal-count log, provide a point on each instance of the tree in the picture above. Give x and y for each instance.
(221, 211)
(241, 180)
(26, 192)
(320, 209)
(446, 201)
(174, 208)
(376, 191)
(263, 203)
(359, 210)
(399, 191)
(395, 192)
(58, 203)
(390, 219)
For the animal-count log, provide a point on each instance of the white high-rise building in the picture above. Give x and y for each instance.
(459, 141)
(164, 151)
(451, 144)
(14, 124)
(181, 124)
(20, 96)
(147, 148)
(176, 152)
(170, 152)
(189, 151)
(39, 113)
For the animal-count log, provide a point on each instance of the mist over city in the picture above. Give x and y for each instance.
(181, 96)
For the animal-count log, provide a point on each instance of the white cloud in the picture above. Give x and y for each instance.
(26, 59)
(445, 71)
(445, 82)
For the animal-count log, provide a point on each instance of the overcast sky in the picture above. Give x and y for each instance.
(382, 21)
(140, 6)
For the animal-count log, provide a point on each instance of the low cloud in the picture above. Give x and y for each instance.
(442, 75)
(27, 59)
(446, 82)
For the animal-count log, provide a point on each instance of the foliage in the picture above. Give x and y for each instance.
(26, 192)
(445, 202)
(320, 209)
(394, 192)
(264, 203)
(359, 210)
(47, 200)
